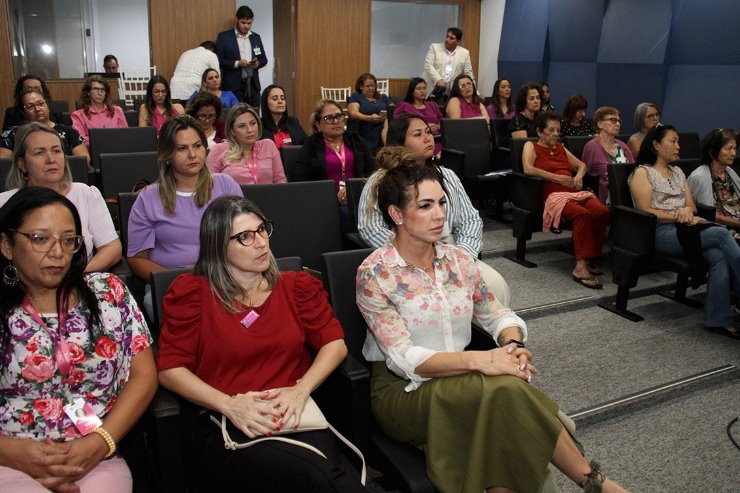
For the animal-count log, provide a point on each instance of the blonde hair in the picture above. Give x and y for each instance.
(17, 178)
(235, 151)
(388, 158)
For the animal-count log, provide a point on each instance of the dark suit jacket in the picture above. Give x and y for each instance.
(311, 162)
(227, 50)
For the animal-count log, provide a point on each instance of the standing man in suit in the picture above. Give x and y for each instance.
(444, 62)
(241, 55)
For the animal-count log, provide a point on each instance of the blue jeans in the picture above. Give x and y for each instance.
(722, 254)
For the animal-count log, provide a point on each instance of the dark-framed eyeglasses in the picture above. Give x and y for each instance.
(33, 106)
(246, 237)
(653, 116)
(42, 243)
(614, 120)
(335, 118)
(205, 118)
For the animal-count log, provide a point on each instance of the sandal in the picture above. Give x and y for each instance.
(728, 330)
(594, 480)
(591, 282)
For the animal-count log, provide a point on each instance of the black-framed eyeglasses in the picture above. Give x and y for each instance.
(205, 118)
(33, 106)
(43, 243)
(614, 120)
(335, 118)
(246, 237)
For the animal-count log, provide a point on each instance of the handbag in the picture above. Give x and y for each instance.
(312, 419)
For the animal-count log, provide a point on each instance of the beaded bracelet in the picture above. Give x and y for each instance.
(108, 440)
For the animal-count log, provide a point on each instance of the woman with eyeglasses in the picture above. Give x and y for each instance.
(238, 339)
(277, 124)
(158, 106)
(206, 109)
(96, 109)
(14, 114)
(661, 189)
(331, 153)
(36, 109)
(605, 149)
(464, 100)
(370, 109)
(211, 83)
(69, 341)
(164, 220)
(245, 156)
(647, 116)
(38, 161)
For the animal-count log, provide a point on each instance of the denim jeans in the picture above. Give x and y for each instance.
(722, 254)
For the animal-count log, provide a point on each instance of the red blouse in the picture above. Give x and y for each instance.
(553, 161)
(200, 335)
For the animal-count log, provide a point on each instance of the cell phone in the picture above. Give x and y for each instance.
(384, 113)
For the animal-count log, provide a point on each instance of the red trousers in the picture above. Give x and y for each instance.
(590, 219)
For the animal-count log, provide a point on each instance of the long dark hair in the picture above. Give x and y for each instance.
(412, 87)
(498, 110)
(455, 92)
(149, 102)
(268, 121)
(647, 154)
(12, 216)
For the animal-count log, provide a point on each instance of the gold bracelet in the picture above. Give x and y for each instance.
(108, 440)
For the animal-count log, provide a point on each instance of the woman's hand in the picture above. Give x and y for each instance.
(288, 402)
(251, 414)
(46, 462)
(508, 360)
(684, 215)
(577, 182)
(342, 196)
(566, 181)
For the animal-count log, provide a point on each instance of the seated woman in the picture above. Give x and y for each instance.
(549, 160)
(716, 184)
(36, 109)
(501, 105)
(38, 161)
(463, 225)
(370, 109)
(206, 356)
(277, 125)
(528, 101)
(70, 342)
(210, 82)
(647, 116)
(419, 296)
(244, 155)
(574, 122)
(164, 221)
(96, 109)
(415, 103)
(14, 115)
(206, 109)
(464, 100)
(605, 148)
(158, 106)
(661, 189)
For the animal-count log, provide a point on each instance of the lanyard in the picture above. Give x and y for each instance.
(253, 166)
(61, 351)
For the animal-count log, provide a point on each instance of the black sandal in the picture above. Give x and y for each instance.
(728, 330)
(594, 480)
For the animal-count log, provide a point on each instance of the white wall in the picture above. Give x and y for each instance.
(491, 23)
(263, 26)
(121, 28)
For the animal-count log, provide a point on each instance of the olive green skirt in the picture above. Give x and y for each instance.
(477, 432)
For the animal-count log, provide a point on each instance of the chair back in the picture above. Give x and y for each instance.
(289, 155)
(354, 192)
(338, 94)
(575, 144)
(78, 167)
(501, 134)
(120, 172)
(59, 106)
(117, 140)
(66, 118)
(470, 136)
(132, 84)
(619, 189)
(305, 216)
(383, 87)
(5, 164)
(517, 146)
(687, 165)
(690, 145)
(125, 204)
(132, 117)
(339, 274)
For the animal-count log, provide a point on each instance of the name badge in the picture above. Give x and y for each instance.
(250, 318)
(257, 50)
(82, 415)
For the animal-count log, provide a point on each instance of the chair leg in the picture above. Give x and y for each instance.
(521, 251)
(679, 293)
(619, 305)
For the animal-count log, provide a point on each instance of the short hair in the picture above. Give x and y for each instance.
(455, 92)
(496, 102)
(544, 118)
(166, 148)
(108, 58)
(17, 178)
(208, 45)
(521, 96)
(713, 143)
(215, 235)
(361, 80)
(149, 100)
(647, 154)
(204, 76)
(456, 31)
(415, 81)
(318, 109)
(393, 187)
(602, 112)
(398, 127)
(85, 102)
(574, 103)
(19, 89)
(201, 100)
(12, 217)
(244, 12)
(640, 112)
(235, 153)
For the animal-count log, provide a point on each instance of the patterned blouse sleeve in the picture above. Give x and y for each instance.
(314, 312)
(134, 332)
(387, 326)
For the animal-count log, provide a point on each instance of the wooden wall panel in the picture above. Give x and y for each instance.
(284, 39)
(7, 81)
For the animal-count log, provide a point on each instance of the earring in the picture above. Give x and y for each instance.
(10, 276)
(399, 223)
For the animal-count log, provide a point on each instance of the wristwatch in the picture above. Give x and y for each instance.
(515, 341)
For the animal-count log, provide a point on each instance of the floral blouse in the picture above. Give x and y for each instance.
(32, 391)
(412, 317)
(668, 193)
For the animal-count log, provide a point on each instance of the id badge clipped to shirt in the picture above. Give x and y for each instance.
(82, 415)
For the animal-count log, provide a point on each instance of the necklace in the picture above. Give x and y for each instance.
(336, 147)
(425, 269)
(251, 296)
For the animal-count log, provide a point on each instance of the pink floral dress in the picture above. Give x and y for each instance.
(32, 391)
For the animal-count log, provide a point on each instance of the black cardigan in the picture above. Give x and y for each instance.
(311, 162)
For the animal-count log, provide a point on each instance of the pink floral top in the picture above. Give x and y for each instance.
(412, 317)
(668, 193)
(32, 394)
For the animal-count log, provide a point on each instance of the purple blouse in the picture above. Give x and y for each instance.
(334, 165)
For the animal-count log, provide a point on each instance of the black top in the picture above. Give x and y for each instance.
(311, 162)
(14, 117)
(70, 138)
